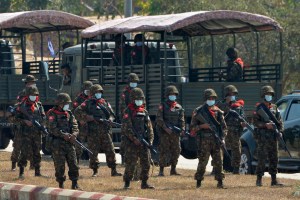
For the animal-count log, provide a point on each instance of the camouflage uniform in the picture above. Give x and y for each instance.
(31, 136)
(234, 126)
(170, 113)
(63, 150)
(267, 145)
(83, 128)
(234, 66)
(207, 144)
(99, 136)
(136, 121)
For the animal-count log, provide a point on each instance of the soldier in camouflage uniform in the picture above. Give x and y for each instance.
(207, 143)
(136, 121)
(235, 127)
(30, 80)
(83, 128)
(265, 135)
(99, 136)
(31, 136)
(169, 114)
(64, 130)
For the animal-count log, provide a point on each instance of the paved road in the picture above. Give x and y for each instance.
(184, 164)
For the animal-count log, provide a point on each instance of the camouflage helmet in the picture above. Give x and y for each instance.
(87, 85)
(230, 89)
(29, 78)
(133, 77)
(266, 89)
(136, 93)
(32, 90)
(209, 93)
(63, 98)
(171, 90)
(95, 88)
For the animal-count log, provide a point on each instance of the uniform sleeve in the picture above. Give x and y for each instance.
(43, 114)
(160, 117)
(150, 130)
(111, 112)
(81, 111)
(127, 129)
(74, 125)
(181, 119)
(194, 127)
(223, 125)
(52, 124)
(122, 105)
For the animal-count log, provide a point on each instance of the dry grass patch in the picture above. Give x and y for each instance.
(168, 187)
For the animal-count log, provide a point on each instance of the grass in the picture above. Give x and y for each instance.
(168, 187)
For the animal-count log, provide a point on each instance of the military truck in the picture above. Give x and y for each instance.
(18, 31)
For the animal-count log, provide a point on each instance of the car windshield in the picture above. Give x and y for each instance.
(295, 110)
(282, 107)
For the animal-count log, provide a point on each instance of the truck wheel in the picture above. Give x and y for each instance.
(5, 138)
(44, 150)
(246, 160)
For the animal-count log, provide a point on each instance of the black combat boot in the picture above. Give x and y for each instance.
(145, 185)
(161, 171)
(21, 174)
(13, 166)
(274, 181)
(236, 170)
(114, 172)
(75, 185)
(37, 171)
(95, 172)
(220, 184)
(173, 171)
(198, 184)
(61, 184)
(127, 185)
(258, 181)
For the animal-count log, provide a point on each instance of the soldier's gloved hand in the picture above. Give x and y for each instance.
(67, 137)
(169, 131)
(27, 122)
(269, 126)
(72, 138)
(137, 142)
(90, 118)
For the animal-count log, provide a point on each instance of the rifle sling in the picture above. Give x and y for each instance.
(271, 116)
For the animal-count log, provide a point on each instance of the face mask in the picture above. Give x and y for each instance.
(232, 98)
(210, 102)
(66, 107)
(32, 98)
(98, 95)
(138, 102)
(132, 85)
(172, 97)
(86, 92)
(268, 98)
(32, 85)
(139, 44)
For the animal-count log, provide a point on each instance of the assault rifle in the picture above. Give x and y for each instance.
(144, 141)
(176, 129)
(215, 134)
(77, 142)
(106, 121)
(242, 119)
(29, 117)
(263, 112)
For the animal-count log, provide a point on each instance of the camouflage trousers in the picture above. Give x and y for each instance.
(82, 137)
(17, 144)
(169, 149)
(233, 143)
(100, 139)
(267, 149)
(132, 154)
(31, 142)
(207, 146)
(64, 152)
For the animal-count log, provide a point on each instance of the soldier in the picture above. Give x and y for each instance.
(139, 51)
(83, 128)
(169, 115)
(64, 130)
(30, 108)
(235, 127)
(30, 80)
(121, 46)
(135, 124)
(93, 110)
(207, 120)
(265, 117)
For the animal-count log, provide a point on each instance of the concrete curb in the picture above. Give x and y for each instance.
(12, 191)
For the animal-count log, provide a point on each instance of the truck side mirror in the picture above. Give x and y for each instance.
(44, 70)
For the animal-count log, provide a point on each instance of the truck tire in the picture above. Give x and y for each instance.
(5, 136)
(246, 160)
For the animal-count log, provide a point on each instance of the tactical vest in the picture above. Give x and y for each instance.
(95, 110)
(63, 121)
(172, 115)
(139, 122)
(36, 114)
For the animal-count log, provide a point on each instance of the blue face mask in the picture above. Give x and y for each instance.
(210, 102)
(139, 44)
(138, 102)
(232, 98)
(98, 95)
(268, 98)
(132, 84)
(32, 98)
(66, 107)
(172, 97)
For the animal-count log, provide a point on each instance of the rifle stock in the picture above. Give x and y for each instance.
(242, 119)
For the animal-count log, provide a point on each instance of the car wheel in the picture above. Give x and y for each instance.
(246, 160)
(4, 138)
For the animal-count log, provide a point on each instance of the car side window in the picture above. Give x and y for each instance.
(294, 112)
(282, 106)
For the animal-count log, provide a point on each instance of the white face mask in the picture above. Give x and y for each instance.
(98, 95)
(32, 85)
(132, 84)
(86, 92)
(172, 97)
(138, 102)
(66, 107)
(268, 98)
(139, 44)
(210, 102)
(32, 98)
(232, 98)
